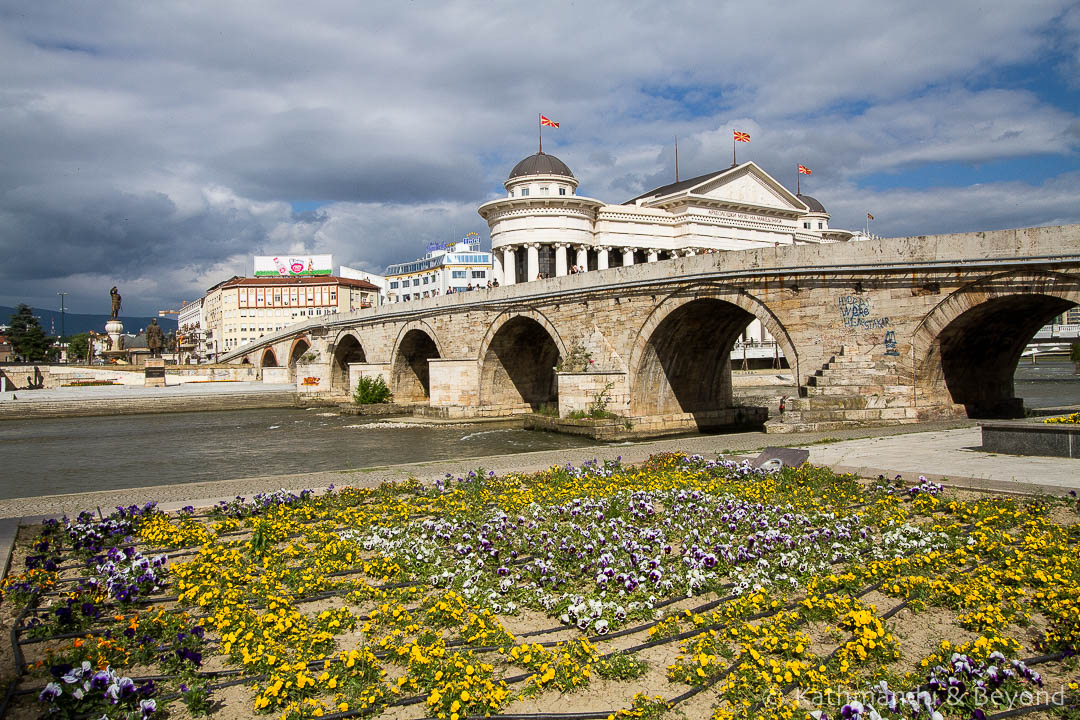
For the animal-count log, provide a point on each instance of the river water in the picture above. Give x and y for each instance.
(45, 457)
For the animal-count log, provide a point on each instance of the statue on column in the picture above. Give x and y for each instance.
(116, 302)
(155, 338)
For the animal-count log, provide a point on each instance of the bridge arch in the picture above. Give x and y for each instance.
(299, 347)
(347, 349)
(967, 348)
(268, 358)
(416, 343)
(681, 358)
(517, 361)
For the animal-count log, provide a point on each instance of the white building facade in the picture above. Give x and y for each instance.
(459, 267)
(378, 281)
(190, 337)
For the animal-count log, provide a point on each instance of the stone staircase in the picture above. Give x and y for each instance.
(856, 390)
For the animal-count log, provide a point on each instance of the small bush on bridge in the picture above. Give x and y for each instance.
(372, 390)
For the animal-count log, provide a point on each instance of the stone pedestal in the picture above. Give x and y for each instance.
(115, 330)
(154, 372)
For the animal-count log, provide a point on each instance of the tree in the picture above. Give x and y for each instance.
(28, 340)
(78, 347)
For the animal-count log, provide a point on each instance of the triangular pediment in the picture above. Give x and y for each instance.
(749, 185)
(744, 186)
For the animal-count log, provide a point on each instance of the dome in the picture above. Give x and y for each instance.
(540, 164)
(812, 203)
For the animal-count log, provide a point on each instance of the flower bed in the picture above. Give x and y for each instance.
(681, 586)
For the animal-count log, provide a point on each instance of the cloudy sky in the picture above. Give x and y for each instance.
(159, 145)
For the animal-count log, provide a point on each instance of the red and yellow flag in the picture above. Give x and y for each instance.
(547, 122)
(741, 136)
(869, 216)
(805, 170)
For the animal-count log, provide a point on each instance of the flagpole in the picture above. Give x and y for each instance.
(676, 158)
(733, 163)
(798, 181)
(540, 132)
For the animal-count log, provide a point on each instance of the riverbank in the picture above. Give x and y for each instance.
(107, 400)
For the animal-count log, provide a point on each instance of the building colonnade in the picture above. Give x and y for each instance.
(527, 261)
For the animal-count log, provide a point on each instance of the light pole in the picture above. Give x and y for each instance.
(62, 295)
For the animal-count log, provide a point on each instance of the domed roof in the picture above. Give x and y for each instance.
(540, 164)
(812, 203)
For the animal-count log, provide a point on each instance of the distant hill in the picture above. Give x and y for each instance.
(75, 323)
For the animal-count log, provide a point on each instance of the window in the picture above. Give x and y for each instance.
(524, 192)
(479, 274)
(820, 225)
(543, 191)
(562, 191)
(457, 274)
(806, 225)
(425, 279)
(416, 282)
(394, 285)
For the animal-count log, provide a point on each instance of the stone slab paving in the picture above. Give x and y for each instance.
(952, 454)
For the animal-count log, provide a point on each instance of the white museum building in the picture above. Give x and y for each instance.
(543, 228)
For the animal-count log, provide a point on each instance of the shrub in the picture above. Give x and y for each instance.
(372, 390)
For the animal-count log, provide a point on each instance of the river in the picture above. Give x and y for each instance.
(45, 457)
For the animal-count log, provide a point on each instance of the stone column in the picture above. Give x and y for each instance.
(509, 266)
(582, 257)
(497, 267)
(654, 255)
(628, 257)
(601, 258)
(534, 261)
(560, 259)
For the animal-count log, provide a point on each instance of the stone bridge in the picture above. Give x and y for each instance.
(896, 330)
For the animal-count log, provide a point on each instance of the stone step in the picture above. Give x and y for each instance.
(853, 364)
(844, 371)
(783, 426)
(880, 400)
(858, 414)
(850, 354)
(850, 379)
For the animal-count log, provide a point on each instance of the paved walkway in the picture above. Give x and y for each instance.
(953, 455)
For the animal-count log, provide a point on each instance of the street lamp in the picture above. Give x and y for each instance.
(62, 295)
